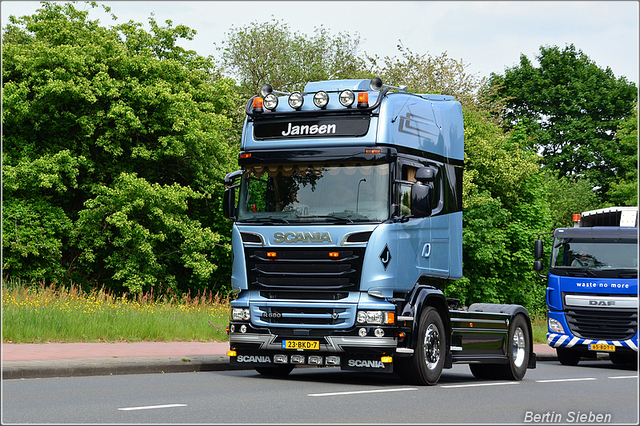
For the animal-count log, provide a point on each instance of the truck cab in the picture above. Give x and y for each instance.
(347, 212)
(592, 287)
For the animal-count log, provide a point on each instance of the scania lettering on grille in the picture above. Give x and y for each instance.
(252, 358)
(301, 237)
(367, 363)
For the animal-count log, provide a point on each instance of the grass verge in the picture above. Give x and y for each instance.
(39, 314)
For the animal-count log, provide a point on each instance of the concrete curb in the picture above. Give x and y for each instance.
(15, 370)
(111, 366)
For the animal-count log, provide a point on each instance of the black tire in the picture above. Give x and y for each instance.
(483, 371)
(623, 358)
(568, 356)
(276, 371)
(426, 364)
(518, 350)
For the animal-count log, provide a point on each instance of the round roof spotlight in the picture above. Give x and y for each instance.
(376, 83)
(266, 89)
(347, 98)
(321, 99)
(270, 101)
(296, 100)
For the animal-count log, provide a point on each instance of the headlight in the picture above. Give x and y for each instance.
(270, 101)
(321, 99)
(240, 314)
(347, 97)
(296, 100)
(375, 317)
(555, 326)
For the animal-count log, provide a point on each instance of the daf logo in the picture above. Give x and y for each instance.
(602, 303)
(302, 237)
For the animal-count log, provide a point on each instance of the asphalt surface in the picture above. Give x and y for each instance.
(45, 360)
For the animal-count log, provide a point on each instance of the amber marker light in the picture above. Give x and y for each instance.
(576, 217)
(245, 155)
(271, 254)
(257, 104)
(391, 318)
(334, 254)
(363, 100)
(372, 151)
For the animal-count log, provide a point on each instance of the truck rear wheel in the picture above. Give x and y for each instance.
(518, 350)
(427, 362)
(276, 371)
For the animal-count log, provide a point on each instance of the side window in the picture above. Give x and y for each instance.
(408, 175)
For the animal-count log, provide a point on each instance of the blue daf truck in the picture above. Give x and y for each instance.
(592, 286)
(347, 215)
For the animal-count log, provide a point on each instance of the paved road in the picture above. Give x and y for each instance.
(21, 361)
(328, 396)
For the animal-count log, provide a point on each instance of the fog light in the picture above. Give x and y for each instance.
(296, 100)
(347, 97)
(297, 359)
(233, 328)
(362, 332)
(378, 332)
(333, 360)
(270, 101)
(280, 359)
(321, 99)
(243, 328)
(315, 360)
(555, 326)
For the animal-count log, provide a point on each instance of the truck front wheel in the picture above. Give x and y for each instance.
(277, 371)
(568, 356)
(427, 362)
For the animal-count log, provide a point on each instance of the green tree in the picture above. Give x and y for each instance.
(424, 73)
(269, 52)
(624, 191)
(115, 144)
(572, 109)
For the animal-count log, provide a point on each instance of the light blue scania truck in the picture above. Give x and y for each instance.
(592, 286)
(347, 217)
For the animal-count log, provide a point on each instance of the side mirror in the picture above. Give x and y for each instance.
(538, 251)
(229, 203)
(421, 192)
(537, 266)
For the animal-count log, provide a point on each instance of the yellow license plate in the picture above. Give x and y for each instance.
(604, 348)
(301, 344)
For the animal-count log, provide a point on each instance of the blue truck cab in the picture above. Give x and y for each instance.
(347, 213)
(592, 286)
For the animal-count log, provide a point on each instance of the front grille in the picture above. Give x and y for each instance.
(603, 324)
(307, 316)
(304, 269)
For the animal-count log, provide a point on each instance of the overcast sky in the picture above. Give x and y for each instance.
(489, 36)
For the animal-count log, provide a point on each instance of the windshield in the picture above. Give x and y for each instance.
(345, 192)
(589, 254)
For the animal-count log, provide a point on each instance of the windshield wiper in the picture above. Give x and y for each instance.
(265, 220)
(331, 216)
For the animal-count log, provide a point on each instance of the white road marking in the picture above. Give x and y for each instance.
(359, 392)
(566, 380)
(152, 407)
(479, 384)
(623, 377)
